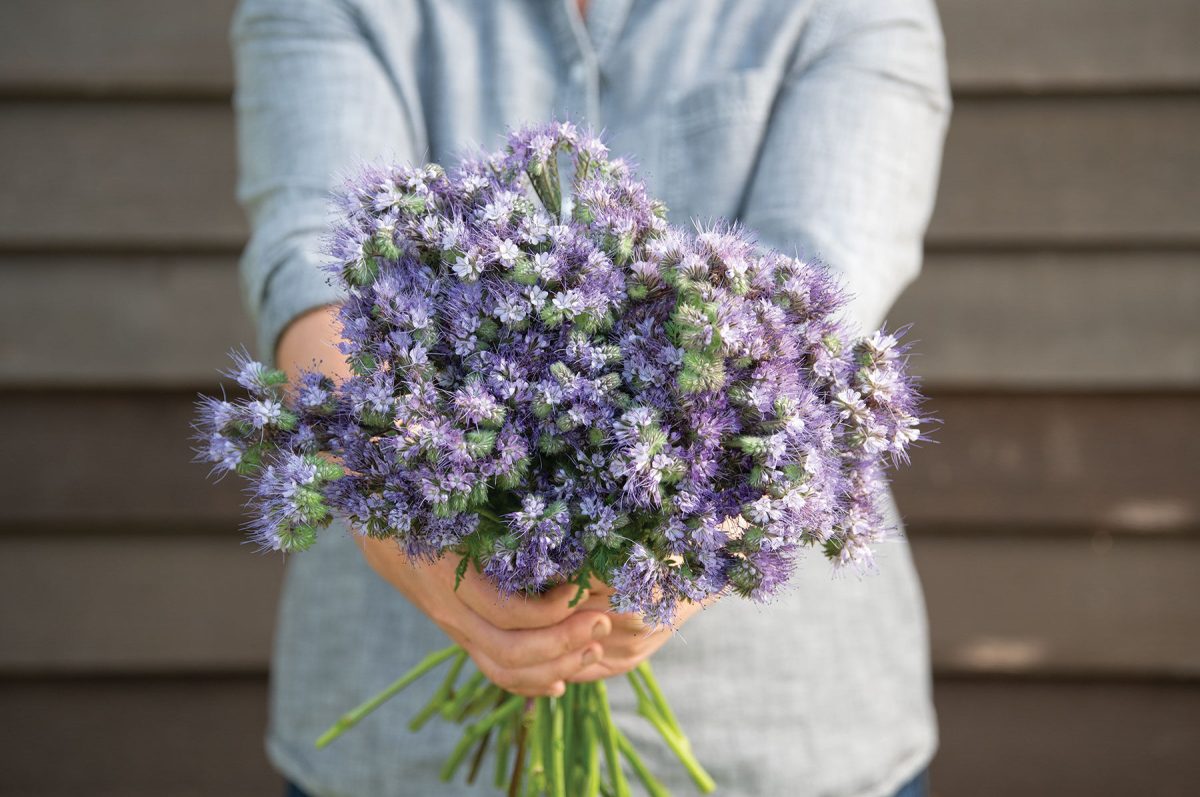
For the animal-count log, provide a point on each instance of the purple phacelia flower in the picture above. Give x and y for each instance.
(558, 383)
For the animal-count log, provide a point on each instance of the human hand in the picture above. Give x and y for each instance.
(526, 645)
(631, 641)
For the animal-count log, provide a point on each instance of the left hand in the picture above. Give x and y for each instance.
(631, 641)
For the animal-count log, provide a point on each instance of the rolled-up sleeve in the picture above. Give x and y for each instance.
(313, 102)
(849, 165)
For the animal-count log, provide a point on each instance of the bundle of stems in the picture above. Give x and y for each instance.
(545, 746)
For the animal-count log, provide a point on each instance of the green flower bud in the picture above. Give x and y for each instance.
(552, 316)
(384, 245)
(744, 577)
(551, 444)
(327, 471)
(513, 478)
(413, 204)
(297, 538)
(488, 329)
(361, 273)
(562, 372)
(480, 443)
(523, 272)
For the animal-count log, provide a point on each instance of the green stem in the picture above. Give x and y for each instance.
(481, 750)
(506, 740)
(469, 692)
(488, 694)
(682, 749)
(660, 700)
(608, 735)
(591, 779)
(356, 715)
(514, 785)
(535, 777)
(442, 694)
(652, 784)
(558, 779)
(566, 706)
(506, 709)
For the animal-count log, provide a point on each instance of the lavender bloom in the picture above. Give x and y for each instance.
(559, 385)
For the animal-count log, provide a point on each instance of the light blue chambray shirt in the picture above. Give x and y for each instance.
(816, 123)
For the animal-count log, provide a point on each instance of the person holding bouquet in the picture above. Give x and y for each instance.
(818, 125)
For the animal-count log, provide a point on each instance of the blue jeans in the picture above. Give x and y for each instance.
(917, 787)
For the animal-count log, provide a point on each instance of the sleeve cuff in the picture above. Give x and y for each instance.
(297, 286)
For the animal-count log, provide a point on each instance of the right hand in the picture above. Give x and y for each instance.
(526, 645)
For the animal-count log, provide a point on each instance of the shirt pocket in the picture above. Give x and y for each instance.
(714, 131)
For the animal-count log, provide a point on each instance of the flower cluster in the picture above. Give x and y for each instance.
(555, 386)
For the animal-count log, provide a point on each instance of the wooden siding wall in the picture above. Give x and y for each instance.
(1056, 524)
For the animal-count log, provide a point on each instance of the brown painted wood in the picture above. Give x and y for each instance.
(1043, 462)
(1071, 605)
(1054, 321)
(119, 321)
(1071, 45)
(109, 460)
(135, 738)
(1118, 463)
(118, 175)
(1094, 739)
(1098, 171)
(125, 47)
(998, 604)
(157, 47)
(1087, 320)
(117, 603)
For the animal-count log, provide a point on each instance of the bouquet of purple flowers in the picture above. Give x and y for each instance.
(558, 387)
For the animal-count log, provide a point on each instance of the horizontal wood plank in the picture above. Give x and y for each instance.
(124, 47)
(175, 48)
(1087, 321)
(135, 738)
(1071, 45)
(119, 321)
(1068, 462)
(1105, 463)
(142, 604)
(1071, 606)
(110, 460)
(1092, 739)
(1047, 321)
(1091, 172)
(1095, 171)
(997, 604)
(124, 176)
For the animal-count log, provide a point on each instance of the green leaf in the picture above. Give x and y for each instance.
(461, 570)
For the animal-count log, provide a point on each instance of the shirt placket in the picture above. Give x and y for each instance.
(584, 47)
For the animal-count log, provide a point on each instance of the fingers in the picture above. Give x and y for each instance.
(543, 679)
(516, 611)
(534, 646)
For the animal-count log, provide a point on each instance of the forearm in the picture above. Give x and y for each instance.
(309, 341)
